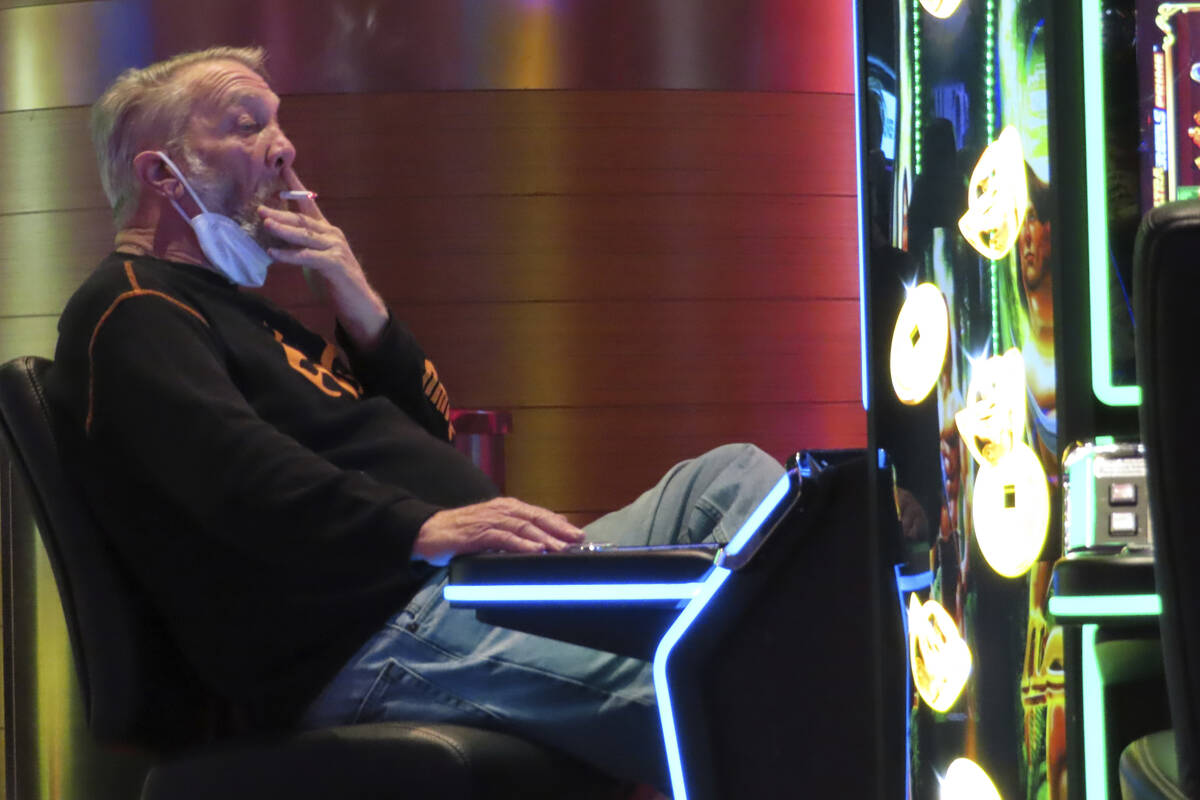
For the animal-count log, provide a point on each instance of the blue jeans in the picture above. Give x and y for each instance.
(435, 663)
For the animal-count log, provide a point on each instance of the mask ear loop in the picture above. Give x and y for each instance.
(179, 174)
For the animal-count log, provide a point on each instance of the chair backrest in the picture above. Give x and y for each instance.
(137, 688)
(1167, 299)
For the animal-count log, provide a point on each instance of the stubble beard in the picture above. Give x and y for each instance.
(220, 194)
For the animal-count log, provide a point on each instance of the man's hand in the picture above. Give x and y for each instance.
(323, 248)
(504, 523)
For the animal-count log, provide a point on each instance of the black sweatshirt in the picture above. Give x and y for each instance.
(264, 494)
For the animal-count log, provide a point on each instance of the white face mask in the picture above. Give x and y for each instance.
(230, 249)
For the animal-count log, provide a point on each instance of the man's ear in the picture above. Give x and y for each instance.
(153, 175)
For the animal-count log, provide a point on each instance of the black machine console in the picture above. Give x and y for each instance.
(774, 657)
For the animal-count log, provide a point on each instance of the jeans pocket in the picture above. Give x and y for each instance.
(398, 693)
(730, 499)
(420, 603)
(702, 522)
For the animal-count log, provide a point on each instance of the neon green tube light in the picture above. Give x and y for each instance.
(1097, 216)
(1117, 605)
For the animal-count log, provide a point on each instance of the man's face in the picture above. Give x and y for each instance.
(1034, 248)
(235, 153)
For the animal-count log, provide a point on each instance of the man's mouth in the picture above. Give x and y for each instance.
(250, 221)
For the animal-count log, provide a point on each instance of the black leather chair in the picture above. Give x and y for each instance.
(139, 691)
(1166, 299)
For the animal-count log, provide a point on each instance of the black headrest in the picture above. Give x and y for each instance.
(137, 688)
(1166, 303)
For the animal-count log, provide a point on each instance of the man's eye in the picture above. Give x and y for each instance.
(248, 125)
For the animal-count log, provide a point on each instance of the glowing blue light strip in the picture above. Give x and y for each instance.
(1117, 605)
(864, 214)
(662, 691)
(911, 583)
(908, 583)
(570, 592)
(755, 520)
(662, 656)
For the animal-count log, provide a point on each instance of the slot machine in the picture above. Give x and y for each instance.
(1008, 149)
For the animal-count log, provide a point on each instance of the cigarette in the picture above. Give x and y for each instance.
(297, 194)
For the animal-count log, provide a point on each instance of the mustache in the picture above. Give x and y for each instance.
(247, 218)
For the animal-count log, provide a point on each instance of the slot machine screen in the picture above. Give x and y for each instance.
(1009, 149)
(959, 209)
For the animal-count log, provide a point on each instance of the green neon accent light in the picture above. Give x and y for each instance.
(994, 276)
(1082, 498)
(990, 83)
(918, 140)
(1095, 744)
(1115, 605)
(990, 70)
(1097, 216)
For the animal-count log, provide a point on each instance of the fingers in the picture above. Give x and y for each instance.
(315, 260)
(299, 235)
(503, 524)
(507, 542)
(541, 520)
(279, 216)
(509, 524)
(317, 243)
(527, 531)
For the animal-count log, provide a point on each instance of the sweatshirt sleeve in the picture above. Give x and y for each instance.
(161, 396)
(397, 368)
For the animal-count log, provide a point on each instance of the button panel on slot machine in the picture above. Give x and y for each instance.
(1105, 504)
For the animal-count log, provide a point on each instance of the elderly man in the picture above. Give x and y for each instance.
(285, 504)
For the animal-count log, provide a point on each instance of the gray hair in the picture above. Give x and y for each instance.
(148, 108)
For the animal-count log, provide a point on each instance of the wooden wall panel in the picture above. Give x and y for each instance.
(504, 248)
(575, 142)
(23, 336)
(633, 274)
(642, 353)
(45, 255)
(64, 53)
(20, 3)
(47, 161)
(606, 456)
(514, 142)
(608, 246)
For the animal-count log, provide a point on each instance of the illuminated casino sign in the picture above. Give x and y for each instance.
(940, 659)
(1010, 500)
(919, 343)
(1175, 116)
(997, 198)
(966, 780)
(942, 9)
(1161, 158)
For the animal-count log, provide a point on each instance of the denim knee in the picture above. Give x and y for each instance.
(744, 475)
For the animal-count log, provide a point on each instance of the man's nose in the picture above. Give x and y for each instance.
(281, 153)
